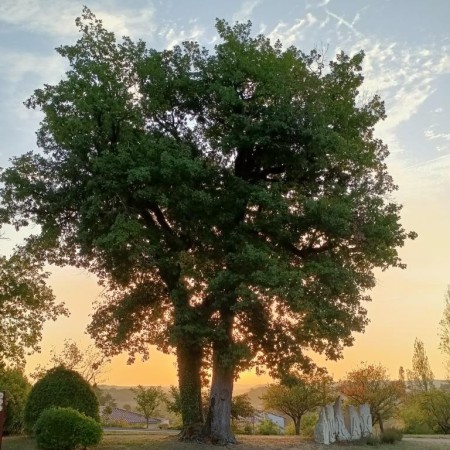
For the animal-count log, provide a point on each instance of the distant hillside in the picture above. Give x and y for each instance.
(125, 396)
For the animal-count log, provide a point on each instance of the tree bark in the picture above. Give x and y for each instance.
(217, 428)
(380, 423)
(297, 426)
(189, 359)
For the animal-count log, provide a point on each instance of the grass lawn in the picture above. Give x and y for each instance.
(146, 441)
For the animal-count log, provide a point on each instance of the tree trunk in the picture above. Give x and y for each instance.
(217, 428)
(380, 423)
(297, 426)
(189, 359)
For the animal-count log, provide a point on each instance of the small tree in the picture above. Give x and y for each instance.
(148, 399)
(17, 387)
(420, 378)
(298, 395)
(371, 384)
(435, 405)
(106, 400)
(173, 401)
(241, 406)
(89, 363)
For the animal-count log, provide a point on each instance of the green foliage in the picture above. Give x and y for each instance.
(26, 302)
(241, 407)
(391, 436)
(371, 384)
(372, 441)
(302, 394)
(15, 384)
(267, 427)
(414, 417)
(60, 387)
(444, 331)
(308, 424)
(66, 429)
(435, 406)
(148, 399)
(173, 400)
(420, 378)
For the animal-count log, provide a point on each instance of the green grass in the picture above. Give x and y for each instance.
(146, 441)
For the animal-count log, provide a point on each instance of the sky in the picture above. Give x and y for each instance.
(407, 47)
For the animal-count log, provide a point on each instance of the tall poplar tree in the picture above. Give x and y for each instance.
(235, 202)
(420, 377)
(444, 331)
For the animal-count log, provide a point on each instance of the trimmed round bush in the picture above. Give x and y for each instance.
(66, 429)
(64, 388)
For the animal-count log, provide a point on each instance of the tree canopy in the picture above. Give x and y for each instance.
(26, 302)
(298, 395)
(148, 399)
(420, 377)
(14, 382)
(235, 202)
(371, 384)
(89, 362)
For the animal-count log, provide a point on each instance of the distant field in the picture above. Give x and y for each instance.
(146, 441)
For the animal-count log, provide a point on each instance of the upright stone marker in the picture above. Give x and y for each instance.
(366, 420)
(322, 430)
(353, 423)
(342, 433)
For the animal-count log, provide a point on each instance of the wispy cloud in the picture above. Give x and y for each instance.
(431, 135)
(403, 75)
(342, 21)
(289, 35)
(245, 11)
(173, 34)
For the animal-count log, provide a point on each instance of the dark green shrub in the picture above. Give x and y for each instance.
(66, 429)
(17, 388)
(391, 436)
(372, 441)
(60, 387)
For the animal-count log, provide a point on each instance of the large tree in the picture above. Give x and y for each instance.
(298, 395)
(371, 384)
(234, 202)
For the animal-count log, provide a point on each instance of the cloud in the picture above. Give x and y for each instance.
(173, 34)
(14, 66)
(289, 35)
(341, 21)
(404, 76)
(431, 135)
(57, 18)
(245, 11)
